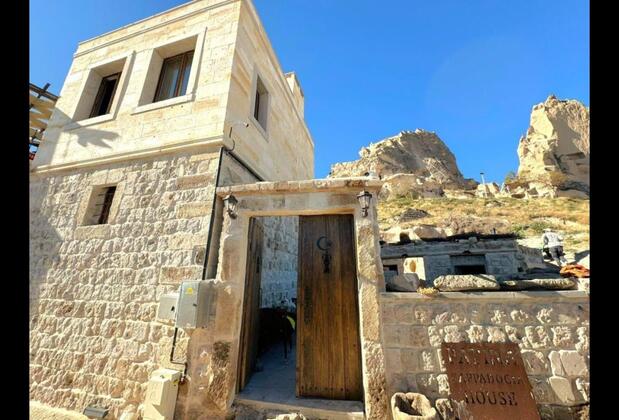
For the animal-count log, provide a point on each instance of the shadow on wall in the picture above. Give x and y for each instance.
(48, 203)
(85, 137)
(45, 240)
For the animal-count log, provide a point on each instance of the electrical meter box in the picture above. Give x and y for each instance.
(161, 395)
(196, 304)
(167, 306)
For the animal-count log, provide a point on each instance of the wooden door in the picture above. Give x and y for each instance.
(328, 344)
(251, 304)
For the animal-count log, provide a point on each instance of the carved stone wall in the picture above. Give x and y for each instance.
(551, 328)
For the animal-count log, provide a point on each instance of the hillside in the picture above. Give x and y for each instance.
(526, 218)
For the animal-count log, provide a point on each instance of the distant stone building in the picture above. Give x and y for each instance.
(500, 257)
(41, 106)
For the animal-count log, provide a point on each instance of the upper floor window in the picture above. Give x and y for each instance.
(105, 95)
(174, 76)
(261, 104)
(99, 94)
(171, 75)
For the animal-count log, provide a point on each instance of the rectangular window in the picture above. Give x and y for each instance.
(390, 267)
(100, 205)
(468, 264)
(108, 196)
(105, 95)
(174, 76)
(261, 104)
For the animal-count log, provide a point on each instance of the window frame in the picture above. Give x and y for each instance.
(78, 115)
(106, 206)
(264, 102)
(261, 103)
(186, 60)
(100, 204)
(99, 97)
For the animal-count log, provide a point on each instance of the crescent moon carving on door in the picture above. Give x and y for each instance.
(324, 244)
(327, 243)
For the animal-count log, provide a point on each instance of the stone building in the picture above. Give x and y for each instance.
(152, 117)
(499, 257)
(173, 211)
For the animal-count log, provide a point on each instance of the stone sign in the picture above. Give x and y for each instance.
(490, 379)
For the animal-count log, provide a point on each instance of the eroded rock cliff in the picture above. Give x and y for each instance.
(411, 162)
(554, 153)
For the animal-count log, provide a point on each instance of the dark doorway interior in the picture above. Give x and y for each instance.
(267, 359)
(468, 263)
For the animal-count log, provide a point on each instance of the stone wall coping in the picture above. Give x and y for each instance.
(427, 251)
(164, 22)
(311, 185)
(447, 246)
(502, 296)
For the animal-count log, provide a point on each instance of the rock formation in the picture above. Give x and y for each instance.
(554, 153)
(460, 282)
(415, 162)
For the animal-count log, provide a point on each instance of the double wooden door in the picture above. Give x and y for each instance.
(328, 344)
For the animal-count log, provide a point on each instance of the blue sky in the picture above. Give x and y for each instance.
(471, 71)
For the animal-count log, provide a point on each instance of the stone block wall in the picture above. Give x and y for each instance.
(504, 263)
(279, 260)
(94, 337)
(285, 149)
(436, 265)
(551, 328)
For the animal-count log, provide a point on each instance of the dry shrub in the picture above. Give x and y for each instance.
(557, 178)
(428, 291)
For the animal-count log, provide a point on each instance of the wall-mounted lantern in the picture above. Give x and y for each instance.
(364, 198)
(230, 204)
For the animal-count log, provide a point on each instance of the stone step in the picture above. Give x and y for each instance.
(310, 408)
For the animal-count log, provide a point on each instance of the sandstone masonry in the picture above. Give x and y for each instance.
(551, 328)
(94, 288)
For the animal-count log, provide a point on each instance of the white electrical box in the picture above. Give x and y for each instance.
(168, 305)
(161, 395)
(196, 304)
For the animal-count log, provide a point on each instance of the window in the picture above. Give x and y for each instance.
(171, 74)
(105, 95)
(174, 76)
(468, 264)
(390, 267)
(261, 104)
(101, 86)
(101, 204)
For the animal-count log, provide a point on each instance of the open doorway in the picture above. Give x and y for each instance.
(468, 264)
(267, 358)
(309, 347)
